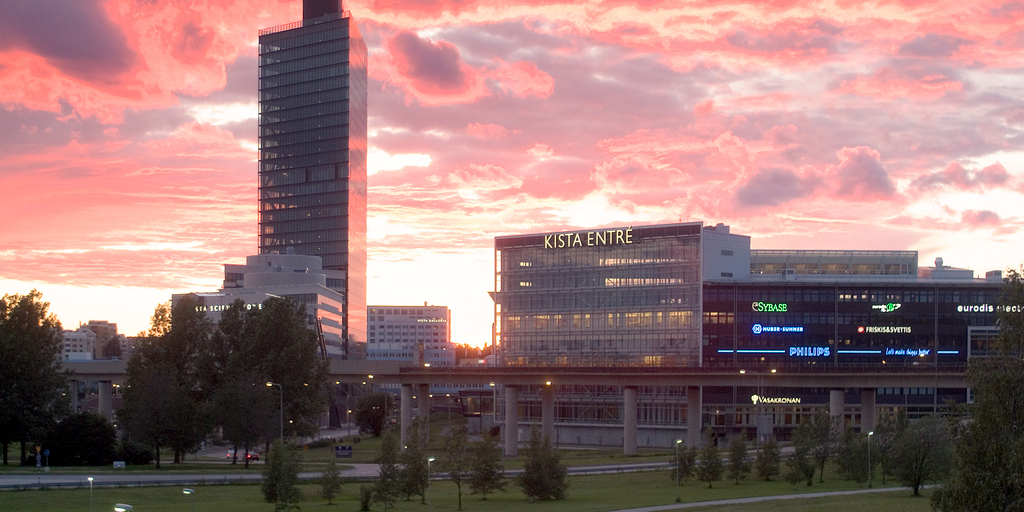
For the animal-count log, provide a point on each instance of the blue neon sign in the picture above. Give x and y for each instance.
(758, 328)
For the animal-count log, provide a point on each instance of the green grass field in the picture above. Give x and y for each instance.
(586, 494)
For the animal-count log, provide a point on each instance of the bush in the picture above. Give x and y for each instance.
(83, 439)
(543, 476)
(134, 453)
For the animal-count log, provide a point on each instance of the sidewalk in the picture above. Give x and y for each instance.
(755, 499)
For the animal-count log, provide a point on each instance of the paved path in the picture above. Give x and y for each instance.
(756, 499)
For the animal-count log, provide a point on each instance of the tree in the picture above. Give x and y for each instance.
(799, 466)
(739, 463)
(887, 432)
(922, 453)
(32, 387)
(768, 459)
(987, 474)
(330, 482)
(387, 487)
(83, 439)
(486, 474)
(372, 412)
(817, 437)
(281, 478)
(456, 459)
(162, 403)
(413, 480)
(241, 408)
(852, 456)
(710, 468)
(543, 476)
(686, 462)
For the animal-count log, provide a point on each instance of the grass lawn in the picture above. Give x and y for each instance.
(586, 494)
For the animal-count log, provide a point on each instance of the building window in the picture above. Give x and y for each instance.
(726, 252)
(726, 274)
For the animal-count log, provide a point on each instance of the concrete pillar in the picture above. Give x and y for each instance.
(693, 416)
(629, 421)
(106, 399)
(511, 421)
(73, 395)
(836, 404)
(547, 412)
(406, 412)
(867, 409)
(423, 406)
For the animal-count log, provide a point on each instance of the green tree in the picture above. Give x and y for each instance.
(799, 466)
(852, 456)
(281, 478)
(887, 432)
(543, 476)
(456, 459)
(330, 482)
(288, 355)
(413, 481)
(388, 486)
(372, 412)
(739, 462)
(988, 474)
(710, 468)
(32, 387)
(768, 459)
(923, 453)
(242, 409)
(486, 475)
(685, 463)
(818, 438)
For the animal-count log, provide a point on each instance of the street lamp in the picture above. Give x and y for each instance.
(429, 460)
(760, 391)
(678, 442)
(869, 457)
(90, 494)
(193, 493)
(269, 384)
(123, 507)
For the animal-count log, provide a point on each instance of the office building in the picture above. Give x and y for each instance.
(295, 276)
(313, 143)
(689, 295)
(79, 344)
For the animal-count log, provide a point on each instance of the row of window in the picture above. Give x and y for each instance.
(877, 296)
(315, 110)
(287, 239)
(304, 225)
(284, 67)
(303, 51)
(303, 189)
(631, 320)
(300, 213)
(270, 43)
(305, 76)
(326, 157)
(308, 126)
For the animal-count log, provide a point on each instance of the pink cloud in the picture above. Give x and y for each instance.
(980, 218)
(860, 176)
(523, 79)
(488, 131)
(890, 83)
(433, 73)
(957, 177)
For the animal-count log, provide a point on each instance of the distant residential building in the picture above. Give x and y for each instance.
(105, 331)
(79, 344)
(418, 334)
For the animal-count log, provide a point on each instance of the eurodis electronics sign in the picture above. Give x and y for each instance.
(589, 238)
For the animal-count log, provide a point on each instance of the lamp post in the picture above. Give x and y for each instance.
(191, 492)
(123, 507)
(869, 457)
(678, 442)
(760, 391)
(90, 494)
(281, 402)
(429, 460)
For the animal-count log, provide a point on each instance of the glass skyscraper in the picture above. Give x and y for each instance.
(313, 143)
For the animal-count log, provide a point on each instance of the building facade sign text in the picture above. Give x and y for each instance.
(589, 238)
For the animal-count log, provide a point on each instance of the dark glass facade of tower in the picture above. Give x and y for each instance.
(313, 144)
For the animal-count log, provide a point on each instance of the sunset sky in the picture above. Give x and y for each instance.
(128, 136)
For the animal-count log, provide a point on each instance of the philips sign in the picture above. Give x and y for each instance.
(810, 351)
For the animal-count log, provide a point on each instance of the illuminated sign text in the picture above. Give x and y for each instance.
(884, 329)
(907, 351)
(987, 308)
(768, 307)
(773, 400)
(431, 320)
(758, 328)
(810, 351)
(887, 308)
(224, 307)
(589, 238)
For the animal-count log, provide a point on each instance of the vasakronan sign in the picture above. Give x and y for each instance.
(589, 238)
(757, 399)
